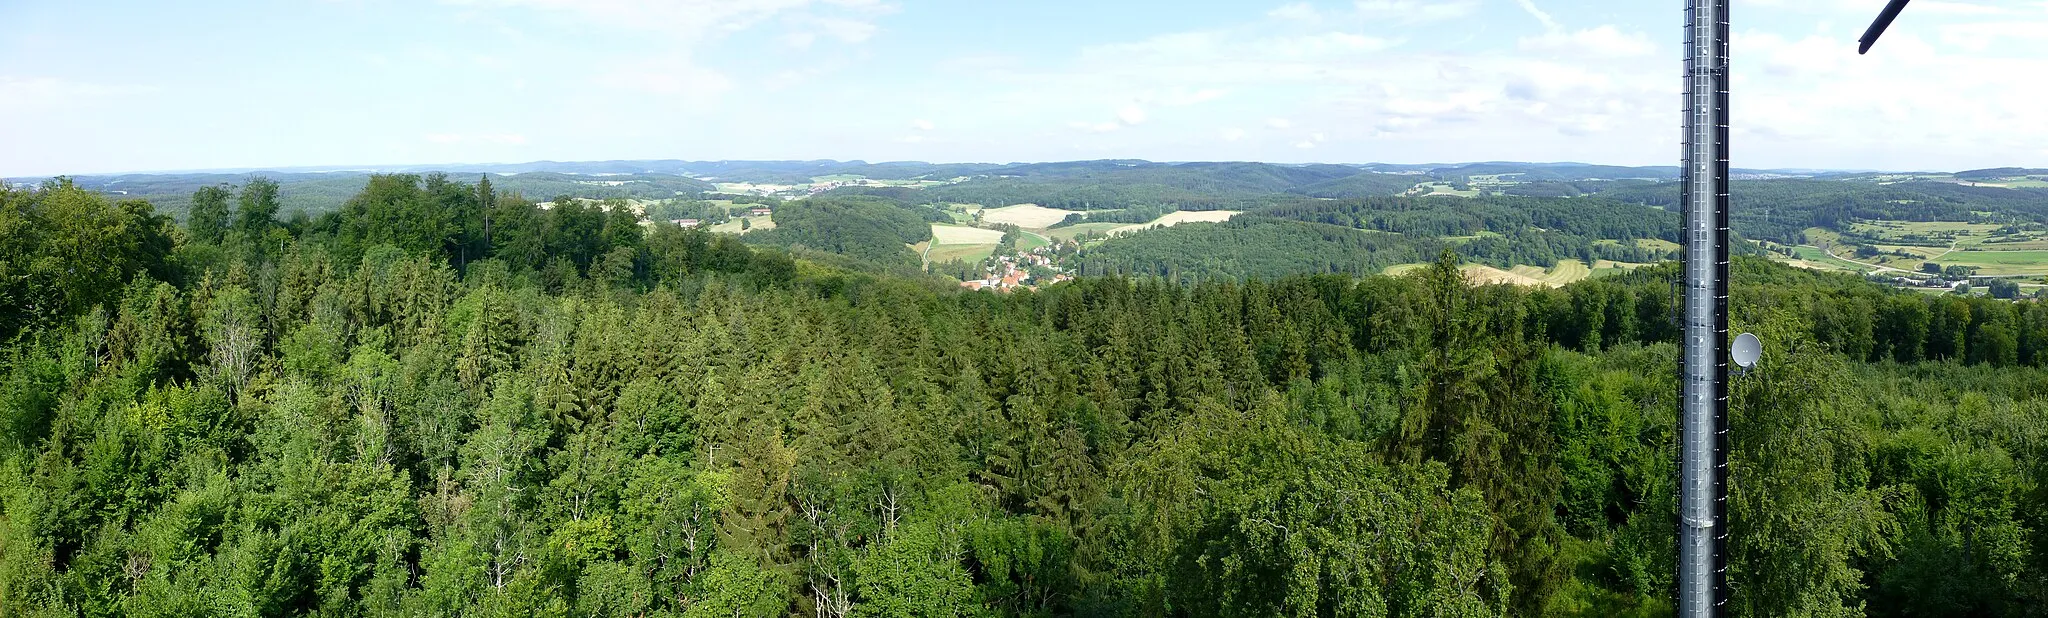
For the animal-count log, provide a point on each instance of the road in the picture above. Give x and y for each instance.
(1951, 249)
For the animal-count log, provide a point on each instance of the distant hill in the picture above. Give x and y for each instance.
(1566, 172)
(1368, 184)
(2000, 172)
(316, 192)
(1110, 184)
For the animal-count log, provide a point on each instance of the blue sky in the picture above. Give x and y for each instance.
(92, 86)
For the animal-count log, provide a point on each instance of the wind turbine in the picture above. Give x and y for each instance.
(1703, 386)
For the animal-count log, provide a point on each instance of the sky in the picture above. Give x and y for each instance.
(90, 86)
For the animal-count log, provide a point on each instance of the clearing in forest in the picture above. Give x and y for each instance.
(1480, 274)
(1657, 244)
(1071, 231)
(1604, 268)
(1441, 188)
(1999, 262)
(1564, 273)
(943, 234)
(1025, 215)
(960, 242)
(962, 253)
(1176, 218)
(732, 226)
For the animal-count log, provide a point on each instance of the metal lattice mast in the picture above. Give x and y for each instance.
(1703, 420)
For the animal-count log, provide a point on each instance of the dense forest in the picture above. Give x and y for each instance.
(865, 228)
(1364, 236)
(443, 400)
(319, 192)
(1780, 210)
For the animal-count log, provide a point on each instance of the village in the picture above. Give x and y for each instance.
(1011, 272)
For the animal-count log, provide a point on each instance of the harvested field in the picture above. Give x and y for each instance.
(1177, 218)
(963, 235)
(1025, 215)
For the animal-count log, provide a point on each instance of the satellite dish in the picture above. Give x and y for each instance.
(1745, 350)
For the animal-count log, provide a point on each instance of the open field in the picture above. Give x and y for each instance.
(732, 226)
(1176, 218)
(1904, 245)
(1924, 253)
(1031, 240)
(1814, 258)
(964, 253)
(1473, 237)
(2000, 262)
(962, 235)
(1398, 270)
(960, 242)
(1071, 231)
(1934, 233)
(1657, 244)
(1441, 188)
(2026, 182)
(1608, 268)
(2020, 242)
(1821, 237)
(1487, 275)
(754, 189)
(1025, 215)
(1564, 273)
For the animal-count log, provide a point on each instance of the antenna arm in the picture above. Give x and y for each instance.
(1884, 20)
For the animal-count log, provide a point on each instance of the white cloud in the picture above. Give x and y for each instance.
(910, 139)
(682, 26)
(1322, 45)
(1525, 89)
(799, 40)
(922, 125)
(1406, 12)
(1601, 42)
(848, 30)
(1184, 98)
(1542, 17)
(683, 18)
(673, 76)
(44, 92)
(1131, 115)
(1299, 11)
(1304, 145)
(1934, 7)
(1980, 36)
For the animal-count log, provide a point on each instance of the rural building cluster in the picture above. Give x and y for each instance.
(1011, 272)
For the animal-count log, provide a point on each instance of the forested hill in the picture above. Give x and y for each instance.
(315, 193)
(487, 408)
(1365, 236)
(1780, 209)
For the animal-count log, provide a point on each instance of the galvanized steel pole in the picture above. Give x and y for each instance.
(1703, 421)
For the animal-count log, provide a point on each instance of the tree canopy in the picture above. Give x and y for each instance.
(441, 400)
